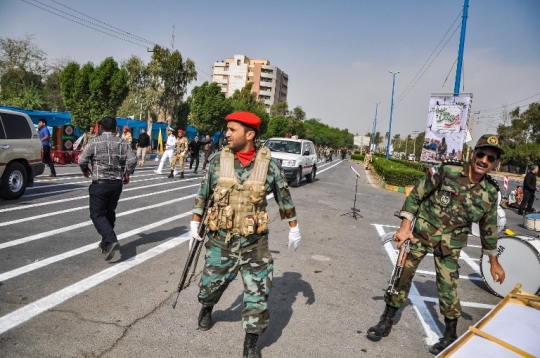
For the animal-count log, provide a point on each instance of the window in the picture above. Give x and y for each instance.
(16, 126)
(2, 133)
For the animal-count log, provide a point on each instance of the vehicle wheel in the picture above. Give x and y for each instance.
(14, 181)
(311, 176)
(298, 178)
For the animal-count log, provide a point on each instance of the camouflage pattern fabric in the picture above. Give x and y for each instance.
(248, 255)
(446, 203)
(447, 278)
(180, 146)
(256, 267)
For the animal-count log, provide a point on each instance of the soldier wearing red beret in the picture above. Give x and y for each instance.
(239, 178)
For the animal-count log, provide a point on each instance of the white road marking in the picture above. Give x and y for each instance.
(33, 309)
(53, 202)
(471, 277)
(53, 213)
(86, 223)
(463, 303)
(39, 264)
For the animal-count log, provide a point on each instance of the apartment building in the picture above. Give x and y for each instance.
(269, 82)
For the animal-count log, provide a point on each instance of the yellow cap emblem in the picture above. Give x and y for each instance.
(493, 140)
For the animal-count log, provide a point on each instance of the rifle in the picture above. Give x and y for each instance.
(194, 253)
(400, 262)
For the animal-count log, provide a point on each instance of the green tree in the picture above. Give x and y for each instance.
(245, 100)
(277, 127)
(208, 108)
(279, 109)
(91, 93)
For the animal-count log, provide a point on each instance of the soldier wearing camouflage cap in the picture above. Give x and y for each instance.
(444, 203)
(239, 178)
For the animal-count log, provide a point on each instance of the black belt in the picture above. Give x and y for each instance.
(106, 181)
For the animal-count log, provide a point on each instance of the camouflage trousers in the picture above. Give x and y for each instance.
(447, 279)
(256, 266)
(178, 158)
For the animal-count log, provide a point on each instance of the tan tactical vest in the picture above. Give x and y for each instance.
(240, 209)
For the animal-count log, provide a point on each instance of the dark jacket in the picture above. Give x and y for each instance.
(144, 140)
(529, 183)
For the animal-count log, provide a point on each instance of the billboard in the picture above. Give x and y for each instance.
(446, 128)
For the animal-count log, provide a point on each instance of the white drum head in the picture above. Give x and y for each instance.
(519, 256)
(501, 223)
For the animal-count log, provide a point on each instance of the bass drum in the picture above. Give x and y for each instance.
(519, 256)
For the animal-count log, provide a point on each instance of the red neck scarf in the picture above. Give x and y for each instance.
(245, 157)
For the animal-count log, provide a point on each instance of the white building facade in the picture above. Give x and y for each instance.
(269, 82)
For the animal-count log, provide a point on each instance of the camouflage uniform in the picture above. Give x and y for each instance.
(227, 254)
(445, 202)
(180, 146)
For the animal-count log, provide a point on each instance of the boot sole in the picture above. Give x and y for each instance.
(375, 338)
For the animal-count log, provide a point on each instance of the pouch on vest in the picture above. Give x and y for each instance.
(262, 222)
(227, 217)
(250, 225)
(212, 219)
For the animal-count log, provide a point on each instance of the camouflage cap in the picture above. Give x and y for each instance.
(490, 140)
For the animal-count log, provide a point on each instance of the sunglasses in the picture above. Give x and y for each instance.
(481, 155)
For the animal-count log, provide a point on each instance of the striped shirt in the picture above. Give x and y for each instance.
(108, 157)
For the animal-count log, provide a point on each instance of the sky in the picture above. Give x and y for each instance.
(337, 53)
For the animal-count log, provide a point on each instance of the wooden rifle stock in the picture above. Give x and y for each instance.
(398, 268)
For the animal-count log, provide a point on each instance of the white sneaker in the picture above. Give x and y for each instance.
(157, 172)
(175, 172)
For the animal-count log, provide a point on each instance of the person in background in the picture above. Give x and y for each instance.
(514, 198)
(180, 154)
(45, 137)
(110, 161)
(127, 135)
(87, 136)
(529, 189)
(208, 149)
(142, 146)
(168, 150)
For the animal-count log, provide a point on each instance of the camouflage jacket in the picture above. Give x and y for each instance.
(446, 202)
(276, 183)
(181, 146)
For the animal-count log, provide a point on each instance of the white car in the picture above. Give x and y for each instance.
(411, 157)
(297, 157)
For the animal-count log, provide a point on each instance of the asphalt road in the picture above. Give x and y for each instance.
(59, 298)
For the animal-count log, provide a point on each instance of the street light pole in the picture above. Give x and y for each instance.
(374, 128)
(414, 146)
(391, 111)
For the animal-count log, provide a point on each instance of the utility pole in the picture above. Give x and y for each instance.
(374, 128)
(391, 111)
(461, 47)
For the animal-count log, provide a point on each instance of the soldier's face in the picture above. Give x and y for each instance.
(237, 137)
(484, 165)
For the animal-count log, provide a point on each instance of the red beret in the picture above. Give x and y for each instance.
(126, 128)
(180, 131)
(247, 118)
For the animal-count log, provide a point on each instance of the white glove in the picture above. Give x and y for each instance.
(194, 233)
(294, 237)
(183, 154)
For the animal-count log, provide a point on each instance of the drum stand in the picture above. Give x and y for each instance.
(354, 211)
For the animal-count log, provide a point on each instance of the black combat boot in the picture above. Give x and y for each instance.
(205, 318)
(448, 338)
(383, 328)
(250, 349)
(171, 175)
(181, 175)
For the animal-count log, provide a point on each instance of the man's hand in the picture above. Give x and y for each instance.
(497, 272)
(194, 233)
(183, 154)
(404, 233)
(126, 179)
(294, 237)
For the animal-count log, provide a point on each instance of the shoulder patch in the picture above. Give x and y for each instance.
(492, 181)
(433, 170)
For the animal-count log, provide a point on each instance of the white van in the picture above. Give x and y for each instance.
(297, 157)
(411, 157)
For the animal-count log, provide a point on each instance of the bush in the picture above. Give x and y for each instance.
(396, 173)
(357, 156)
